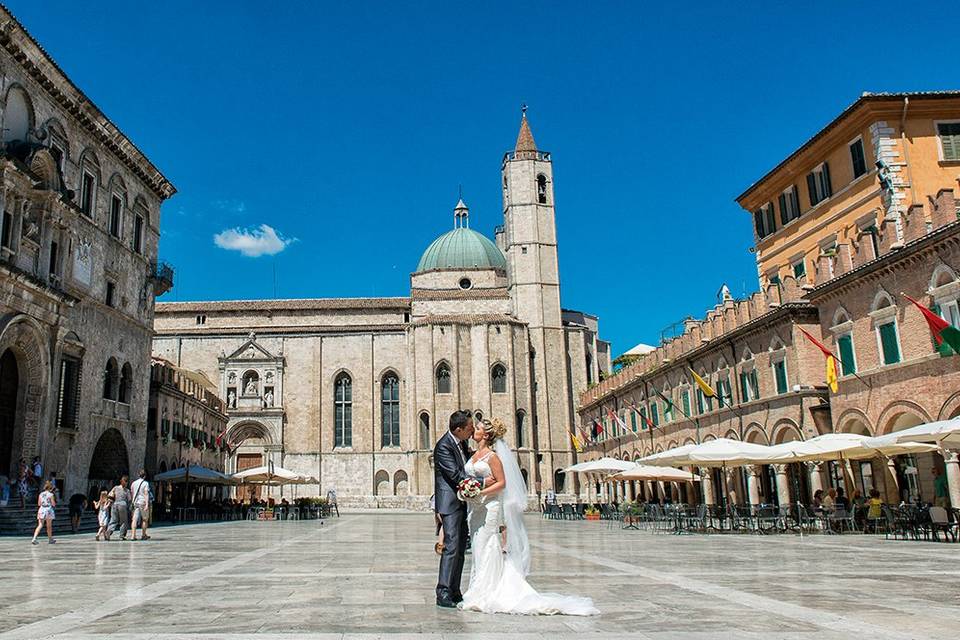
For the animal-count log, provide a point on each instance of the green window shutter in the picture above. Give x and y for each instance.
(848, 363)
(633, 420)
(780, 371)
(784, 217)
(744, 389)
(654, 414)
(799, 269)
(812, 188)
(755, 384)
(686, 403)
(950, 139)
(888, 343)
(827, 186)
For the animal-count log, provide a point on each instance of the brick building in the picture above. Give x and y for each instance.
(184, 420)
(863, 212)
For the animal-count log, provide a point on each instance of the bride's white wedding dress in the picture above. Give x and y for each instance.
(498, 577)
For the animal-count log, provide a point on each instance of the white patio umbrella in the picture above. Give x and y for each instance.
(650, 472)
(666, 458)
(843, 446)
(603, 465)
(724, 452)
(943, 433)
(193, 473)
(270, 475)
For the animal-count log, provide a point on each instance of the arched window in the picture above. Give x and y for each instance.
(589, 368)
(126, 383)
(520, 438)
(343, 411)
(558, 480)
(842, 330)
(884, 316)
(424, 430)
(444, 384)
(390, 411)
(110, 375)
(17, 115)
(498, 378)
(542, 189)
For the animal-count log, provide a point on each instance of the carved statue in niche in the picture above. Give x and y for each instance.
(269, 377)
(31, 224)
(268, 398)
(232, 377)
(232, 399)
(251, 388)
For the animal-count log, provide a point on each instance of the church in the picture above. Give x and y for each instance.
(355, 391)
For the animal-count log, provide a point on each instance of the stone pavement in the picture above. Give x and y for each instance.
(369, 576)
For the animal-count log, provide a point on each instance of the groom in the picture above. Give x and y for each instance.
(449, 457)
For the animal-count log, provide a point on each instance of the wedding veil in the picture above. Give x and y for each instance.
(513, 500)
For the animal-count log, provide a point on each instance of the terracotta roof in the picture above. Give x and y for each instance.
(499, 293)
(863, 99)
(525, 137)
(299, 304)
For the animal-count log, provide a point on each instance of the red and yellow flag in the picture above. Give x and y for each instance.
(832, 375)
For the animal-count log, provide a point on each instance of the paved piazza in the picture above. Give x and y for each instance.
(372, 575)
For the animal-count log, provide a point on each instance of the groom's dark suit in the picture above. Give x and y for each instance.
(449, 457)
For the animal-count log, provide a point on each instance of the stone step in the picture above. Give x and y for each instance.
(15, 521)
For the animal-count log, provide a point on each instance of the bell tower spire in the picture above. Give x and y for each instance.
(526, 148)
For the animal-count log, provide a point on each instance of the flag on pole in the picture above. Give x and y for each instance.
(942, 330)
(705, 388)
(597, 429)
(831, 360)
(643, 416)
(617, 419)
(576, 442)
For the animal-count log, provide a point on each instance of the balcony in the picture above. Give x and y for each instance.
(161, 275)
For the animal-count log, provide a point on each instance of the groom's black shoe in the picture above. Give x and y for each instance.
(446, 604)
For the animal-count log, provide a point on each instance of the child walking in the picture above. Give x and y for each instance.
(46, 502)
(103, 514)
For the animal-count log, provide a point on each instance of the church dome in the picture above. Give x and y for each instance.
(462, 248)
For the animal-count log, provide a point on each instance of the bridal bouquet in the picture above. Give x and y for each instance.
(468, 489)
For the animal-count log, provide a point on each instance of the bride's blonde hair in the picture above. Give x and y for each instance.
(494, 430)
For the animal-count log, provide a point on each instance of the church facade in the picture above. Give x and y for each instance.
(355, 392)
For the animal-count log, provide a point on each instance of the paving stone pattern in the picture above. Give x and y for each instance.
(373, 575)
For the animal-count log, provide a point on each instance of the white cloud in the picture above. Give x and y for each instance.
(253, 242)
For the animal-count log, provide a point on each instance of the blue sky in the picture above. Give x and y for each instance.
(346, 128)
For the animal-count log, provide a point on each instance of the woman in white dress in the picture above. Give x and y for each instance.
(46, 502)
(498, 573)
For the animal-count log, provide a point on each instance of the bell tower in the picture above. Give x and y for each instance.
(530, 231)
(529, 241)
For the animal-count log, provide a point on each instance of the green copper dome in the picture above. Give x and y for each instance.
(462, 248)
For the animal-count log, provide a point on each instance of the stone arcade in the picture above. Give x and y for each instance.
(355, 392)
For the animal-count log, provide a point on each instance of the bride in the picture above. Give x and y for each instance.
(501, 551)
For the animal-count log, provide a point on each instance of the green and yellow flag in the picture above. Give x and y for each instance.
(704, 387)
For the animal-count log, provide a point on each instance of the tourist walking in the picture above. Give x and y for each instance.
(120, 510)
(103, 514)
(37, 468)
(142, 499)
(941, 490)
(23, 482)
(46, 502)
(78, 503)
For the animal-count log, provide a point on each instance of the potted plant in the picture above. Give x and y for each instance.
(592, 513)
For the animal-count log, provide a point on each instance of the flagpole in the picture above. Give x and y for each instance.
(832, 354)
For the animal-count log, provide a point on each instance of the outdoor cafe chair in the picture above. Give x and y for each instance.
(940, 521)
(840, 519)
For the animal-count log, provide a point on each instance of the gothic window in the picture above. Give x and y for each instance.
(444, 384)
(138, 233)
(88, 187)
(542, 189)
(343, 411)
(110, 380)
(498, 377)
(390, 411)
(424, 430)
(520, 439)
(884, 316)
(126, 383)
